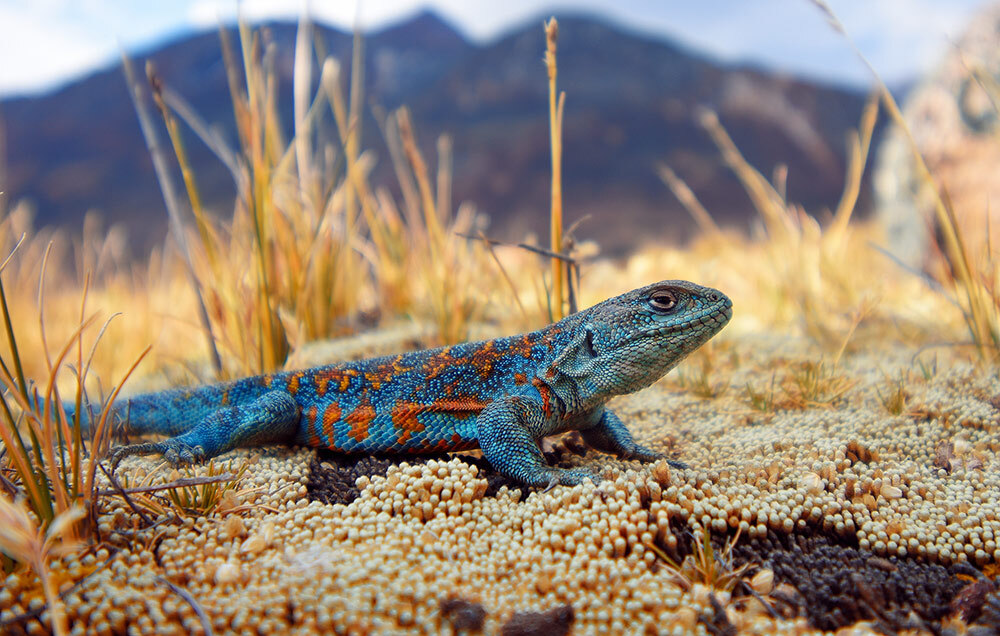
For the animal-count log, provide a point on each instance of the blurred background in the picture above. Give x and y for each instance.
(787, 87)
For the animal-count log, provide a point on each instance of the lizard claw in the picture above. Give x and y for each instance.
(553, 482)
(175, 452)
(121, 452)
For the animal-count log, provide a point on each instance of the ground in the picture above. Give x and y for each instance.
(857, 492)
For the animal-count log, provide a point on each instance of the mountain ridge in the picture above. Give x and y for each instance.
(631, 101)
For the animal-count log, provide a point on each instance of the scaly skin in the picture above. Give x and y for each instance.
(500, 395)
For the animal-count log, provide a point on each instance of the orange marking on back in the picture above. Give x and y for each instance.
(293, 382)
(359, 419)
(331, 415)
(520, 378)
(437, 363)
(341, 377)
(485, 357)
(398, 367)
(384, 373)
(454, 444)
(225, 398)
(266, 380)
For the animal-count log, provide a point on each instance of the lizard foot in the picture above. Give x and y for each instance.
(567, 477)
(644, 454)
(176, 452)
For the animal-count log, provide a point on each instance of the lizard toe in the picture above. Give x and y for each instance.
(171, 456)
(644, 454)
(574, 476)
(121, 452)
(179, 453)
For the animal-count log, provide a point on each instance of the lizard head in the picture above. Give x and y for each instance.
(630, 341)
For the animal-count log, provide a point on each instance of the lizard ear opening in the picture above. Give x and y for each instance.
(588, 343)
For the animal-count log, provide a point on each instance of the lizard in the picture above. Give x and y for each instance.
(502, 396)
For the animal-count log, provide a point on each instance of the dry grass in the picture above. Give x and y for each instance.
(556, 105)
(24, 539)
(973, 277)
(49, 501)
(797, 270)
(44, 451)
(812, 384)
(312, 248)
(323, 246)
(210, 496)
(807, 260)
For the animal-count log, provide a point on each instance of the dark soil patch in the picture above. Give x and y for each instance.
(839, 585)
(464, 616)
(554, 622)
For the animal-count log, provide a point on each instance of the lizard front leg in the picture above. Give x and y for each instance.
(273, 417)
(507, 430)
(611, 436)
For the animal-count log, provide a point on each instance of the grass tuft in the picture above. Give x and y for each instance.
(762, 399)
(704, 566)
(695, 374)
(895, 397)
(312, 246)
(208, 497)
(813, 384)
(47, 462)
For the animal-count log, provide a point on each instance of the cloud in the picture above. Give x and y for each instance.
(37, 47)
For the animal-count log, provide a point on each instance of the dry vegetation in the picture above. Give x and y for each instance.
(313, 251)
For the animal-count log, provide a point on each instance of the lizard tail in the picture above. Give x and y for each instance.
(123, 417)
(138, 416)
(171, 412)
(40, 405)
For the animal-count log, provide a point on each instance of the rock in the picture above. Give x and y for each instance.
(952, 115)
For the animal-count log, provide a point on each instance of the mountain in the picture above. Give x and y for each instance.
(630, 103)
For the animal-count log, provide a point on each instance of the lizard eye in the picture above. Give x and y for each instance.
(663, 301)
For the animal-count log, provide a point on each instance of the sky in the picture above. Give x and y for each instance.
(47, 43)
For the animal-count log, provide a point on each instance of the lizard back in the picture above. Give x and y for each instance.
(417, 402)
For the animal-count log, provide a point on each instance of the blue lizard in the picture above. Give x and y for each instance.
(500, 395)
